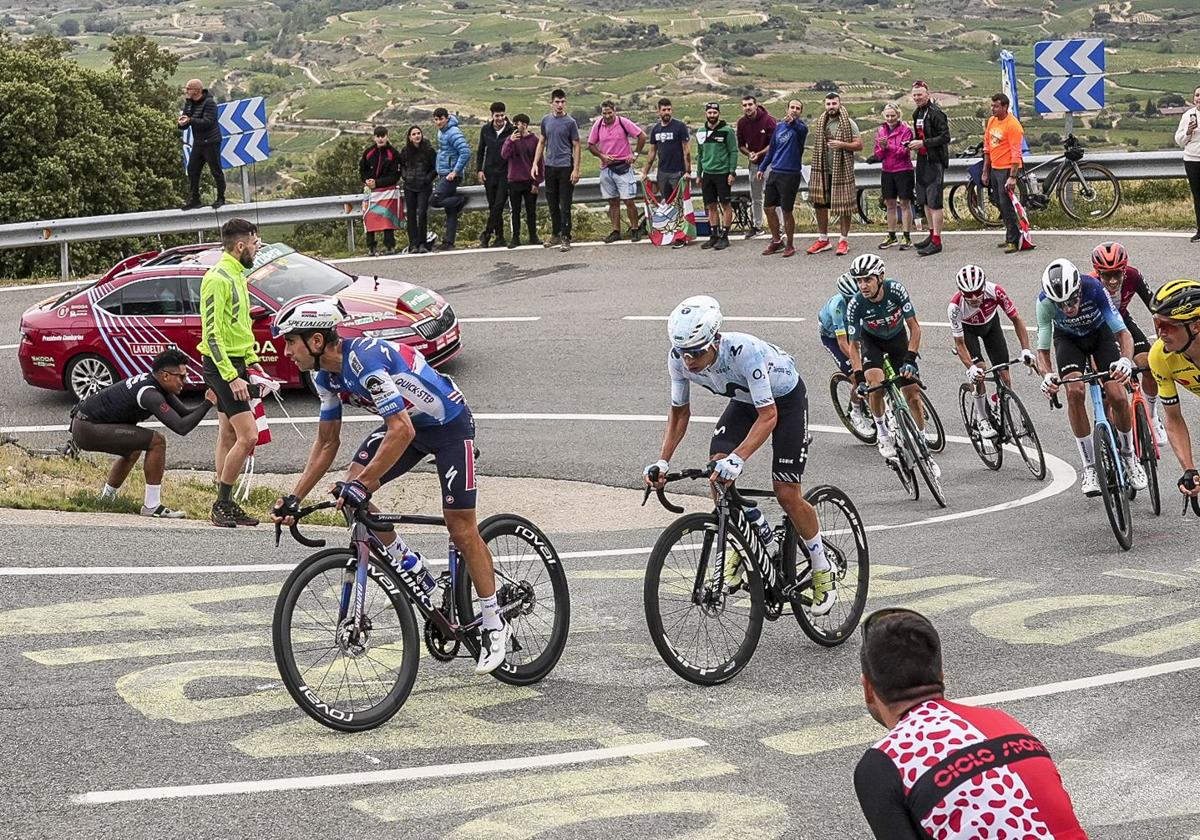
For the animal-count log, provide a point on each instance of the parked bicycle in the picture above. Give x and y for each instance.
(1008, 417)
(710, 580)
(912, 450)
(956, 199)
(345, 636)
(841, 388)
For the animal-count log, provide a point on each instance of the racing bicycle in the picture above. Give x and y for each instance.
(710, 580)
(841, 391)
(345, 636)
(912, 450)
(1114, 484)
(1145, 445)
(1010, 420)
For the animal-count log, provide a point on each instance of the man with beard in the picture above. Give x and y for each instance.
(835, 140)
(609, 141)
(717, 150)
(754, 132)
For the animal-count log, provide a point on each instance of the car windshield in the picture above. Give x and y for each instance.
(281, 274)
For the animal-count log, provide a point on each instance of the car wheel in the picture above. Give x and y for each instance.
(88, 374)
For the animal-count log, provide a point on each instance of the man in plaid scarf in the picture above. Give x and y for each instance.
(835, 139)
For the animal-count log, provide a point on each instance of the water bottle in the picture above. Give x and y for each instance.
(415, 566)
(758, 521)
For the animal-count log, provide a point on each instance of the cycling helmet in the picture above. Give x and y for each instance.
(970, 279)
(694, 324)
(867, 265)
(1178, 300)
(847, 286)
(1109, 256)
(308, 313)
(1060, 281)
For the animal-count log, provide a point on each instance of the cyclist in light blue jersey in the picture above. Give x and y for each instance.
(832, 328)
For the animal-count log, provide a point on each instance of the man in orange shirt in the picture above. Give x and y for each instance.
(1001, 164)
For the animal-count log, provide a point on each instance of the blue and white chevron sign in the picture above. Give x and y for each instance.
(1074, 57)
(1068, 94)
(244, 148)
(242, 115)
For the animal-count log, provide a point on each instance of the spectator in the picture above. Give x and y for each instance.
(835, 140)
(669, 145)
(896, 179)
(1187, 137)
(418, 165)
(107, 421)
(379, 169)
(227, 344)
(199, 113)
(931, 142)
(453, 155)
(977, 769)
(1001, 165)
(754, 132)
(609, 141)
(519, 150)
(493, 173)
(716, 167)
(780, 169)
(558, 150)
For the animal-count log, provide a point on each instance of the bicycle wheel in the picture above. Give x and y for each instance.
(1019, 427)
(864, 199)
(991, 453)
(341, 678)
(914, 441)
(1116, 501)
(845, 541)
(528, 572)
(982, 207)
(704, 636)
(956, 202)
(1091, 193)
(1147, 455)
(931, 415)
(841, 387)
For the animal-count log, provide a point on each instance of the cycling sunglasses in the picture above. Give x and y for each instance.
(1072, 301)
(692, 352)
(884, 613)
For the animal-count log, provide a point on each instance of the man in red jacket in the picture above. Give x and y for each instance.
(754, 132)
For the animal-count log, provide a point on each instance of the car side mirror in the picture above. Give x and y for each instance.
(257, 313)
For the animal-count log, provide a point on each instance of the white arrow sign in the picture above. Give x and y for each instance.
(1066, 94)
(1078, 57)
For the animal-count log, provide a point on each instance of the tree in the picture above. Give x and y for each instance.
(69, 27)
(147, 68)
(334, 172)
(1151, 109)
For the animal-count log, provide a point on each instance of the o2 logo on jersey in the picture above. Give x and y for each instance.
(758, 373)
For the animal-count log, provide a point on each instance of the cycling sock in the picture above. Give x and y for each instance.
(1086, 451)
(881, 426)
(224, 491)
(491, 612)
(981, 406)
(108, 493)
(935, 238)
(1126, 442)
(816, 551)
(153, 495)
(1151, 404)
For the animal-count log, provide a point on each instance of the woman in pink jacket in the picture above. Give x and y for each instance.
(897, 177)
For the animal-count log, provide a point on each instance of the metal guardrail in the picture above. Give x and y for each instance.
(348, 208)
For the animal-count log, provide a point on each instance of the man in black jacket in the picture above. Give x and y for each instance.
(379, 169)
(493, 172)
(199, 113)
(931, 133)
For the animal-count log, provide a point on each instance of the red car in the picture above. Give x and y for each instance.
(88, 338)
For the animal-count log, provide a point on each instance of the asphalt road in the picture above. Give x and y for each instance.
(129, 682)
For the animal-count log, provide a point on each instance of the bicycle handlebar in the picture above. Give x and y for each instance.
(361, 514)
(693, 473)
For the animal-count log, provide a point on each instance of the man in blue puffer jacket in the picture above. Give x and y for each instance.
(453, 155)
(780, 166)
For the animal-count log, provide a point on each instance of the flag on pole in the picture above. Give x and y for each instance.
(672, 220)
(1008, 84)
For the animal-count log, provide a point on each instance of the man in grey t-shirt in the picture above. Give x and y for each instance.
(559, 148)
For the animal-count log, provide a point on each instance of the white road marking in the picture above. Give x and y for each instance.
(500, 320)
(1096, 681)
(401, 774)
(9, 346)
(763, 318)
(946, 324)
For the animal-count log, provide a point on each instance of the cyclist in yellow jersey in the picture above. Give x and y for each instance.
(1175, 361)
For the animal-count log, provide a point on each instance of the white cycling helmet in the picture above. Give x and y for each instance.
(695, 323)
(970, 279)
(847, 286)
(1060, 281)
(308, 313)
(867, 265)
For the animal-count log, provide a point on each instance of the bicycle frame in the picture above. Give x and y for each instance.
(1139, 399)
(1096, 396)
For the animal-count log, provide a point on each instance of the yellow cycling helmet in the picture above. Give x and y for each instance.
(1178, 300)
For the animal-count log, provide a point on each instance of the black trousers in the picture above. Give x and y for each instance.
(1012, 230)
(389, 239)
(522, 192)
(1192, 168)
(446, 197)
(416, 210)
(496, 188)
(210, 154)
(559, 192)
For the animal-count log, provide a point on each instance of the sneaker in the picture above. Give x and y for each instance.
(887, 448)
(819, 246)
(889, 241)
(752, 232)
(513, 243)
(905, 242)
(564, 244)
(711, 243)
(1134, 472)
(824, 592)
(221, 516)
(1090, 484)
(1195, 237)
(499, 243)
(218, 204)
(722, 242)
(1012, 248)
(493, 648)
(789, 251)
(446, 246)
(614, 236)
(390, 252)
(240, 516)
(924, 243)
(985, 428)
(552, 242)
(772, 247)
(195, 202)
(536, 241)
(1160, 432)
(372, 253)
(843, 248)
(162, 512)
(929, 250)
(734, 568)
(679, 243)
(635, 235)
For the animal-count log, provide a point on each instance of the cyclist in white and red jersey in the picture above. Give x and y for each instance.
(947, 771)
(973, 322)
(1122, 281)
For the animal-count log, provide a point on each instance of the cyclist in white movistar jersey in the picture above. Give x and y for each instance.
(767, 398)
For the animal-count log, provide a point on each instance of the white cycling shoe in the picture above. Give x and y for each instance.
(1134, 472)
(864, 424)
(1160, 432)
(1090, 485)
(493, 647)
(887, 448)
(985, 428)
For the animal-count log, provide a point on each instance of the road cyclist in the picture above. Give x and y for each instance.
(832, 330)
(1175, 361)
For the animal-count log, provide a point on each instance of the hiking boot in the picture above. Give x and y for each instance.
(772, 247)
(614, 236)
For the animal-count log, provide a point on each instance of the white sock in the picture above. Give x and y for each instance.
(491, 613)
(841, 238)
(1086, 452)
(153, 495)
(816, 550)
(1126, 442)
(108, 493)
(981, 407)
(881, 427)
